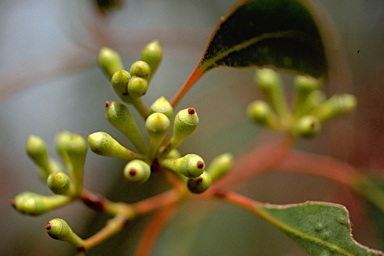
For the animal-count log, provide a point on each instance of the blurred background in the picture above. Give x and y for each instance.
(49, 81)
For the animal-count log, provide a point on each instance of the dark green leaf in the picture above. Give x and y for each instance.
(319, 228)
(281, 33)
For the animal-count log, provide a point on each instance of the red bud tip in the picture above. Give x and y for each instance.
(108, 103)
(191, 111)
(48, 226)
(200, 164)
(13, 203)
(132, 172)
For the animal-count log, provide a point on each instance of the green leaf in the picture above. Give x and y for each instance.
(319, 228)
(266, 32)
(281, 33)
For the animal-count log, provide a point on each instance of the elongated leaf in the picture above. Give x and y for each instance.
(319, 228)
(266, 32)
(280, 33)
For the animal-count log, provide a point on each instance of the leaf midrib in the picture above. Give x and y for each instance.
(240, 46)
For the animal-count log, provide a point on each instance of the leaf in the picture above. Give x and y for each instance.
(281, 33)
(266, 32)
(319, 228)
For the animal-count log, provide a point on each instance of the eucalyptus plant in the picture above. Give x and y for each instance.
(279, 34)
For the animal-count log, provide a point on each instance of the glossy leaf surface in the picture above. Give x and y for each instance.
(266, 32)
(280, 33)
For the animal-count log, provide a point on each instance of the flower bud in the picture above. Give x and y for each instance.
(120, 117)
(103, 144)
(59, 183)
(137, 87)
(77, 151)
(220, 166)
(335, 106)
(304, 86)
(137, 171)
(200, 184)
(140, 69)
(60, 230)
(152, 54)
(185, 123)
(174, 153)
(162, 105)
(270, 84)
(120, 80)
(261, 113)
(62, 139)
(37, 151)
(35, 204)
(307, 127)
(109, 61)
(157, 126)
(313, 100)
(191, 165)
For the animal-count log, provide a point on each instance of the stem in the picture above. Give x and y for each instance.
(113, 226)
(140, 106)
(153, 229)
(257, 161)
(246, 203)
(322, 166)
(192, 79)
(165, 199)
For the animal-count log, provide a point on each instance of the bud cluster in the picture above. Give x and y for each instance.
(159, 151)
(155, 148)
(310, 106)
(65, 184)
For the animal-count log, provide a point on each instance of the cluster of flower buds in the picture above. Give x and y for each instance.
(155, 150)
(310, 107)
(161, 148)
(66, 185)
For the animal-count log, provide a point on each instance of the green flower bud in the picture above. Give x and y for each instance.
(137, 171)
(109, 61)
(185, 123)
(59, 183)
(120, 117)
(120, 80)
(77, 151)
(220, 166)
(304, 85)
(261, 113)
(162, 105)
(307, 127)
(157, 126)
(270, 84)
(191, 165)
(137, 87)
(313, 100)
(174, 153)
(37, 151)
(103, 144)
(62, 139)
(60, 230)
(200, 184)
(35, 204)
(335, 106)
(140, 69)
(152, 54)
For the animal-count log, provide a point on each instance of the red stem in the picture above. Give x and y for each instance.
(153, 230)
(192, 79)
